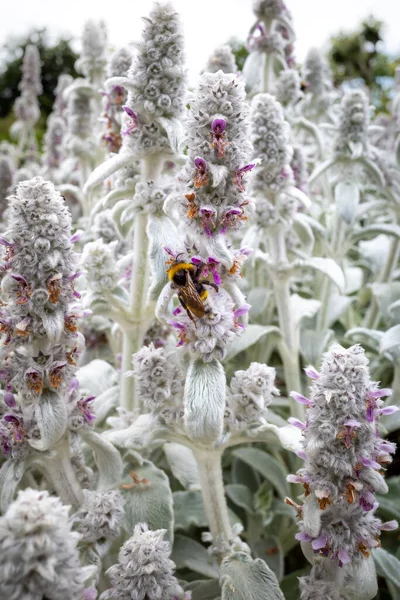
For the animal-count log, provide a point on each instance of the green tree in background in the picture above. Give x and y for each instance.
(56, 58)
(359, 55)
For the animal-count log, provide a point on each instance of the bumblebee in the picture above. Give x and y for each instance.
(185, 277)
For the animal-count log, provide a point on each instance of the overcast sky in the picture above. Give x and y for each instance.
(207, 23)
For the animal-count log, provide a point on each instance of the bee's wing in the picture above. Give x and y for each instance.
(191, 298)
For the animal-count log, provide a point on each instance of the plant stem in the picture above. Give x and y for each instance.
(59, 470)
(281, 284)
(133, 337)
(339, 234)
(372, 316)
(212, 489)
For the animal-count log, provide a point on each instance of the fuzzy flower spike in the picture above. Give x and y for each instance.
(344, 457)
(39, 557)
(144, 570)
(218, 159)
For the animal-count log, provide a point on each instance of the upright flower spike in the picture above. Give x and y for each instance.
(270, 43)
(114, 100)
(288, 88)
(99, 518)
(352, 135)
(156, 84)
(250, 392)
(93, 58)
(319, 95)
(270, 135)
(7, 172)
(38, 320)
(144, 569)
(158, 381)
(222, 59)
(39, 557)
(344, 457)
(218, 157)
(60, 103)
(26, 106)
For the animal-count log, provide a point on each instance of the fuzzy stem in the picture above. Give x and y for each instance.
(339, 237)
(267, 72)
(212, 489)
(281, 285)
(59, 471)
(372, 316)
(133, 337)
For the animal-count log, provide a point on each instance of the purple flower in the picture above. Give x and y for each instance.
(389, 526)
(131, 123)
(208, 214)
(296, 423)
(201, 178)
(343, 557)
(218, 127)
(311, 372)
(9, 398)
(303, 537)
(300, 398)
(84, 407)
(367, 500)
(319, 542)
(238, 179)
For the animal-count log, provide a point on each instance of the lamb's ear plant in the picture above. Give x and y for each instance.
(193, 250)
(26, 106)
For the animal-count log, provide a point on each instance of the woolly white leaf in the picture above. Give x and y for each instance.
(204, 400)
(189, 554)
(183, 465)
(347, 197)
(52, 417)
(11, 473)
(245, 579)
(95, 377)
(250, 336)
(329, 267)
(108, 459)
(390, 340)
(266, 465)
(105, 170)
(150, 499)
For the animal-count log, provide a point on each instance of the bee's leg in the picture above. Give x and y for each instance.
(211, 284)
(189, 314)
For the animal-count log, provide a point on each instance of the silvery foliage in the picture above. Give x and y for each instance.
(39, 554)
(145, 570)
(208, 179)
(343, 457)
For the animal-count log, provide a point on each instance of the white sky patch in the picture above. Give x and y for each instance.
(207, 23)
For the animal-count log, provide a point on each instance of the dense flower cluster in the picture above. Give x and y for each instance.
(222, 59)
(114, 100)
(158, 380)
(145, 570)
(39, 557)
(218, 155)
(344, 457)
(352, 136)
(250, 392)
(38, 320)
(98, 262)
(270, 135)
(207, 324)
(99, 518)
(156, 85)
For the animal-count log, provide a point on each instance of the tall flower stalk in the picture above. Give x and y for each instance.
(344, 456)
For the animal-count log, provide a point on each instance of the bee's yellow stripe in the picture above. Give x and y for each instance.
(204, 294)
(179, 267)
